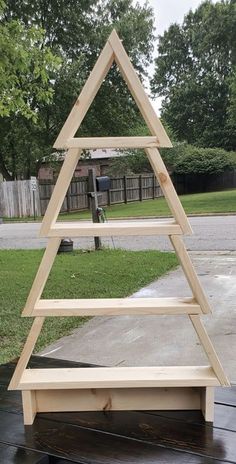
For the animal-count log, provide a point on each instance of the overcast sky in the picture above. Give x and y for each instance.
(166, 13)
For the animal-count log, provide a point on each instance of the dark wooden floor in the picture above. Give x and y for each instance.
(118, 437)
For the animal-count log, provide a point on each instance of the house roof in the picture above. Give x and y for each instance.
(102, 154)
(94, 155)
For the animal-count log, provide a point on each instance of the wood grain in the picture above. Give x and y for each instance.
(116, 306)
(125, 228)
(118, 377)
(89, 143)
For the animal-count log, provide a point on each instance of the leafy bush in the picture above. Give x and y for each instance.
(188, 159)
(194, 160)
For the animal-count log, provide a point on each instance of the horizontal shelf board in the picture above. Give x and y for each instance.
(116, 306)
(85, 229)
(117, 377)
(113, 142)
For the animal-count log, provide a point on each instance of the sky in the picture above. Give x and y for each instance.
(166, 13)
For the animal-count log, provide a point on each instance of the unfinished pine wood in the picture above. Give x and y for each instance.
(42, 275)
(120, 399)
(207, 403)
(86, 96)
(190, 273)
(118, 377)
(107, 229)
(209, 349)
(26, 352)
(116, 307)
(137, 90)
(29, 406)
(112, 142)
(185, 387)
(66, 173)
(168, 189)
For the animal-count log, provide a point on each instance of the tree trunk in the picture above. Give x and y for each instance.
(3, 169)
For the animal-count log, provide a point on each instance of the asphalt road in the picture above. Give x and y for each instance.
(212, 233)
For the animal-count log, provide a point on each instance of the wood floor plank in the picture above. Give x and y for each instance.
(199, 439)
(15, 455)
(224, 418)
(82, 445)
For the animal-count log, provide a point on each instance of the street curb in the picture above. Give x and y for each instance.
(126, 218)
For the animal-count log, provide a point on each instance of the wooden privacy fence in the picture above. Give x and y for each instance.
(123, 189)
(16, 199)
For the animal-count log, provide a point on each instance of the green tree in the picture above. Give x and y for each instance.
(193, 73)
(77, 31)
(25, 68)
(232, 101)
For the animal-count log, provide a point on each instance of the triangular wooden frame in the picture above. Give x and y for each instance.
(113, 51)
(125, 388)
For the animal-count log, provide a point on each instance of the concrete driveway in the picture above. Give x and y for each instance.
(163, 340)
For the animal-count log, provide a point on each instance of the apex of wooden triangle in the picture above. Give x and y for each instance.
(112, 51)
(113, 34)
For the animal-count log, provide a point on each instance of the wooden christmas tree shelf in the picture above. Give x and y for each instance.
(116, 306)
(112, 142)
(81, 229)
(118, 377)
(116, 388)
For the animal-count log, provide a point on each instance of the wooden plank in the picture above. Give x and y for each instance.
(190, 273)
(29, 406)
(118, 399)
(86, 229)
(225, 415)
(209, 349)
(115, 306)
(12, 454)
(168, 189)
(60, 189)
(42, 275)
(126, 439)
(86, 96)
(26, 352)
(207, 403)
(117, 377)
(137, 91)
(112, 142)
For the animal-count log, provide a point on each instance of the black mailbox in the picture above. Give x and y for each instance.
(103, 183)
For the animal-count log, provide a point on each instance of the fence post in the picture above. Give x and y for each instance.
(154, 187)
(125, 190)
(140, 188)
(1, 204)
(68, 200)
(92, 191)
(109, 197)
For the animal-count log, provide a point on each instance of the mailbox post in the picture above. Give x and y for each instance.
(93, 201)
(33, 184)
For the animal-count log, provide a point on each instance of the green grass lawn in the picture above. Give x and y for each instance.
(102, 274)
(199, 203)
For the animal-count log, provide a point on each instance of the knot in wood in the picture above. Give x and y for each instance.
(162, 177)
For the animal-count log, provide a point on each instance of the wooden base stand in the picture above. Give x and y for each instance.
(118, 399)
